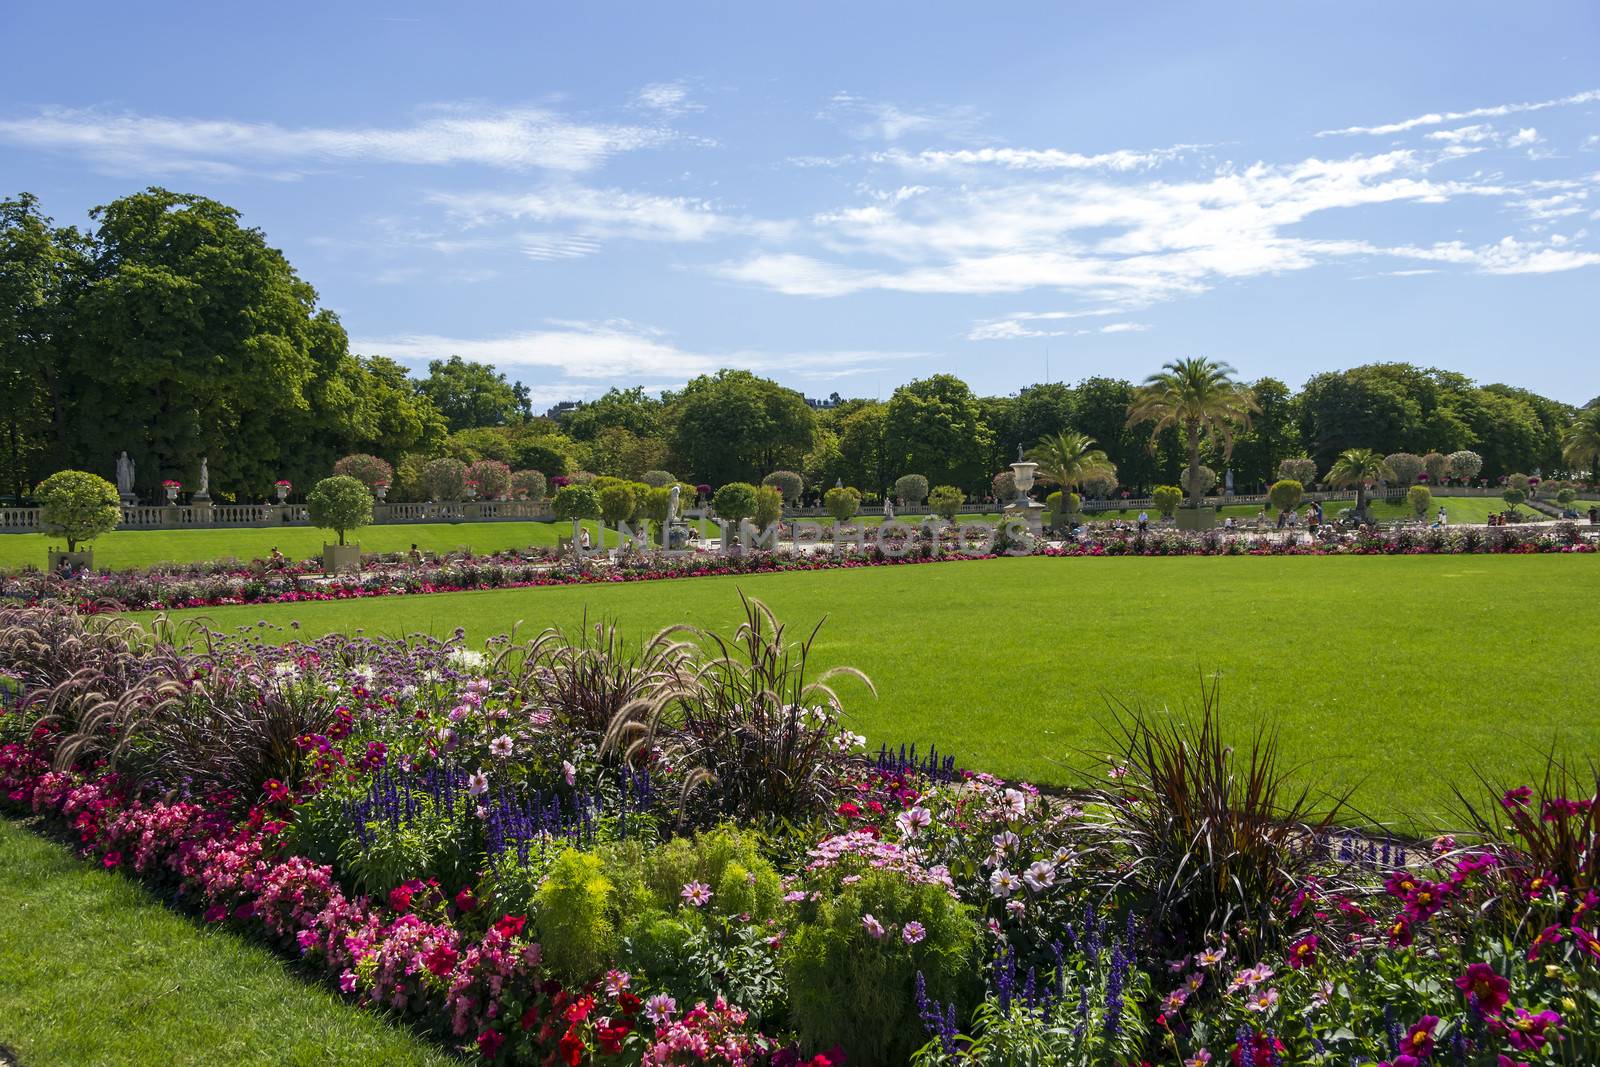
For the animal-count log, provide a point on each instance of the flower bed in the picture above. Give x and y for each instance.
(577, 850)
(217, 584)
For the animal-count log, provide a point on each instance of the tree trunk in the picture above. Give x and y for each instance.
(1192, 431)
(1361, 501)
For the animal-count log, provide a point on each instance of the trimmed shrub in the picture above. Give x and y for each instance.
(78, 505)
(575, 502)
(617, 503)
(852, 972)
(370, 471)
(1285, 494)
(1514, 496)
(1420, 497)
(911, 488)
(657, 479)
(1207, 477)
(1464, 466)
(340, 503)
(1063, 509)
(1436, 467)
(1100, 486)
(1004, 486)
(1406, 466)
(946, 501)
(734, 501)
(444, 480)
(790, 484)
(1302, 469)
(493, 478)
(842, 502)
(769, 506)
(577, 916)
(528, 485)
(1166, 499)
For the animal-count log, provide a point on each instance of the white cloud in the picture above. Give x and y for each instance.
(606, 213)
(1506, 256)
(1436, 119)
(1124, 327)
(1527, 135)
(669, 98)
(589, 356)
(868, 120)
(511, 139)
(1033, 159)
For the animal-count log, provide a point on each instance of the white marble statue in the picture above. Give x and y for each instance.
(124, 475)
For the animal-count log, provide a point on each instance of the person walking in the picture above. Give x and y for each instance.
(1144, 521)
(1444, 516)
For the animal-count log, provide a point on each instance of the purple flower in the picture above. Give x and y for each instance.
(913, 933)
(872, 926)
(697, 894)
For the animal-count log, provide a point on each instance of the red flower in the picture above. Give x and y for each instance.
(400, 896)
(489, 1043)
(848, 809)
(509, 926)
(113, 859)
(441, 960)
(571, 1048)
(1418, 1041)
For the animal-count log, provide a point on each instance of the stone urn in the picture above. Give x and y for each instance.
(1029, 511)
(172, 494)
(283, 491)
(381, 491)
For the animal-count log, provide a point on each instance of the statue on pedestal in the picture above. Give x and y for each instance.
(125, 477)
(203, 486)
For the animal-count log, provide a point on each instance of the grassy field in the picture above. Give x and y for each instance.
(1396, 676)
(140, 548)
(94, 970)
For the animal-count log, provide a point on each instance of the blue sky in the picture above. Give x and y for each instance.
(847, 196)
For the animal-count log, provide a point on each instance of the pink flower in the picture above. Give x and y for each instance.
(1263, 1002)
(697, 894)
(872, 926)
(113, 859)
(660, 1008)
(913, 933)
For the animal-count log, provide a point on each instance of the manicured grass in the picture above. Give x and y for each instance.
(140, 548)
(1396, 676)
(1461, 509)
(94, 970)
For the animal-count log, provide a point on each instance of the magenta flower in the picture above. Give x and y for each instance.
(872, 926)
(1418, 1041)
(913, 933)
(698, 894)
(1484, 989)
(660, 1008)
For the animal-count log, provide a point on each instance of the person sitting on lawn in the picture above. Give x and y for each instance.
(277, 560)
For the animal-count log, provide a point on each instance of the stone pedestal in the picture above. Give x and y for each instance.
(341, 559)
(1204, 518)
(1030, 513)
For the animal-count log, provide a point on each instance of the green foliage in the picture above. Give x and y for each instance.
(946, 501)
(578, 916)
(734, 501)
(728, 860)
(1285, 494)
(340, 503)
(850, 988)
(1420, 497)
(1301, 469)
(575, 502)
(1566, 497)
(1205, 479)
(1464, 465)
(493, 478)
(1063, 507)
(528, 485)
(1406, 466)
(934, 425)
(444, 479)
(842, 502)
(1199, 398)
(1437, 467)
(1166, 499)
(1513, 496)
(657, 479)
(78, 505)
(790, 484)
(911, 489)
(370, 471)
(632, 410)
(617, 503)
(733, 425)
(472, 394)
(1580, 443)
(769, 506)
(1069, 459)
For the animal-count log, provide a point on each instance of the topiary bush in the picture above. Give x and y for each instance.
(1063, 508)
(851, 967)
(1302, 469)
(1437, 467)
(1406, 466)
(1004, 486)
(444, 480)
(790, 484)
(946, 501)
(657, 479)
(1166, 498)
(1285, 494)
(1207, 478)
(528, 485)
(1464, 465)
(769, 506)
(842, 502)
(1514, 496)
(1420, 497)
(617, 503)
(912, 489)
(370, 471)
(493, 478)
(340, 503)
(734, 501)
(78, 505)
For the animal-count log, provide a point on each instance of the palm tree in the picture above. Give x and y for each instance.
(1359, 467)
(1580, 445)
(1069, 459)
(1200, 397)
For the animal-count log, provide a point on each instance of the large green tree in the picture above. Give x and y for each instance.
(735, 426)
(627, 409)
(470, 394)
(1272, 436)
(1200, 399)
(933, 427)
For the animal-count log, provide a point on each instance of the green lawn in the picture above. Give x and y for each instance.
(1394, 675)
(94, 970)
(1461, 509)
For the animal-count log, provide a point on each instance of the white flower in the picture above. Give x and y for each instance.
(849, 742)
(465, 659)
(287, 670)
(1040, 876)
(912, 820)
(364, 674)
(1002, 883)
(1015, 804)
(478, 783)
(1005, 841)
